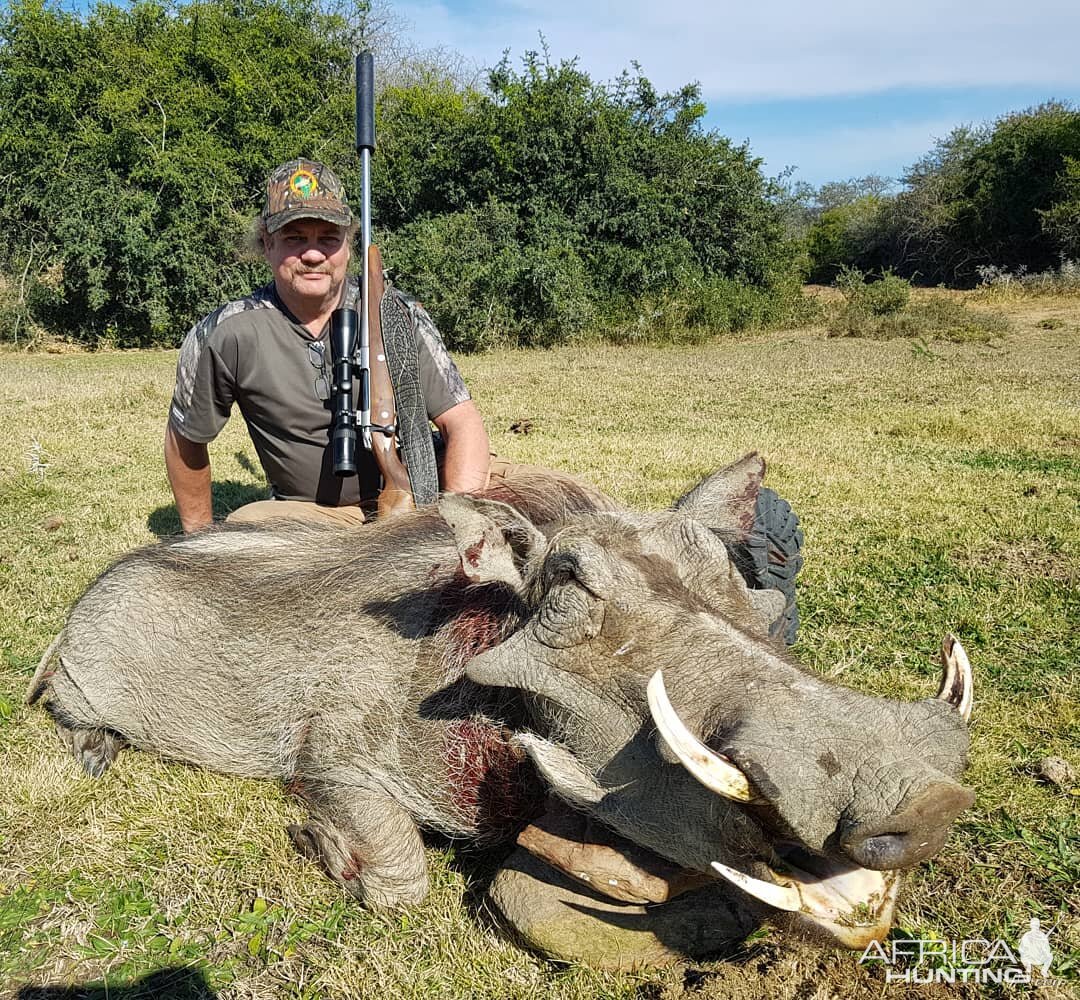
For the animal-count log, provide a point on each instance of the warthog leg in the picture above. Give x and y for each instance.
(558, 916)
(78, 723)
(94, 749)
(366, 842)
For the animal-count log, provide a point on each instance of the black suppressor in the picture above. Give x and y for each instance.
(365, 101)
(343, 335)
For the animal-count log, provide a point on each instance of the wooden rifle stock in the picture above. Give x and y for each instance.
(396, 493)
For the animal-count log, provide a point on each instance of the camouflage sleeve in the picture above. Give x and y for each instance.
(205, 384)
(443, 385)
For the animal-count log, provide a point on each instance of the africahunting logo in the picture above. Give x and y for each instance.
(974, 960)
(303, 184)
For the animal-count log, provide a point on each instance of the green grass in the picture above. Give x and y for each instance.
(939, 491)
(1062, 466)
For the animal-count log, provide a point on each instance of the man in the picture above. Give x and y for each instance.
(269, 353)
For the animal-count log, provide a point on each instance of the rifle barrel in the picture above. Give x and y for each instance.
(365, 146)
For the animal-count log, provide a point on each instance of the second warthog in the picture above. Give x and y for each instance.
(448, 668)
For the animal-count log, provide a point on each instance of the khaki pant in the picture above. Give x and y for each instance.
(304, 510)
(295, 510)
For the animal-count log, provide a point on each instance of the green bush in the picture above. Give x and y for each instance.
(133, 145)
(694, 312)
(884, 309)
(828, 246)
(14, 316)
(845, 234)
(550, 203)
(724, 304)
(492, 280)
(1061, 220)
(888, 294)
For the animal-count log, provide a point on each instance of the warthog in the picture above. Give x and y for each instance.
(446, 668)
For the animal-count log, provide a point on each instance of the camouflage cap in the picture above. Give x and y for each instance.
(304, 189)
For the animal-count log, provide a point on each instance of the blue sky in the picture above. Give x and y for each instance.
(838, 89)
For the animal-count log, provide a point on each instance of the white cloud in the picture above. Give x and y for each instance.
(788, 48)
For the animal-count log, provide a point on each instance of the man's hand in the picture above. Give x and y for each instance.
(468, 452)
(188, 466)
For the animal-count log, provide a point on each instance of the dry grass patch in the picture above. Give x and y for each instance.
(1061, 283)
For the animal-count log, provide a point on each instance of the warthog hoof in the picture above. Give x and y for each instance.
(325, 846)
(94, 749)
(363, 874)
(560, 918)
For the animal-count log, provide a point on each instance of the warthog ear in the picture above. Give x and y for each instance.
(562, 771)
(725, 501)
(493, 540)
(701, 560)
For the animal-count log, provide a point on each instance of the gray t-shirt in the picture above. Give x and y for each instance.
(255, 353)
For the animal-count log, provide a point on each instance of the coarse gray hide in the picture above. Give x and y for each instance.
(423, 671)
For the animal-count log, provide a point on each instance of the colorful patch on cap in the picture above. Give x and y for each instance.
(303, 183)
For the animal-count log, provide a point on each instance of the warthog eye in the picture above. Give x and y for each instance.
(577, 564)
(561, 567)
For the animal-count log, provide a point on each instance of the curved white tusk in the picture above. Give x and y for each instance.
(783, 897)
(957, 683)
(817, 899)
(714, 771)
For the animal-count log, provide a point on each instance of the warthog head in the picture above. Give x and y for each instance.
(670, 716)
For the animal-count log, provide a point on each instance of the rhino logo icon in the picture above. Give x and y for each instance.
(1035, 949)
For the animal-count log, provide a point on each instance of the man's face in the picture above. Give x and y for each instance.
(309, 258)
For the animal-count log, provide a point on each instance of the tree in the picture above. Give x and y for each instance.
(985, 195)
(850, 219)
(1061, 221)
(1005, 194)
(840, 194)
(133, 144)
(557, 200)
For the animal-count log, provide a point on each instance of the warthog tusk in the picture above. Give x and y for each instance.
(957, 683)
(714, 771)
(854, 897)
(782, 897)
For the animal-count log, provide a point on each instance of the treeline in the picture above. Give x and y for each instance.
(524, 208)
(134, 141)
(1002, 197)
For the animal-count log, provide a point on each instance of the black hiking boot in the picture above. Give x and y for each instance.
(772, 557)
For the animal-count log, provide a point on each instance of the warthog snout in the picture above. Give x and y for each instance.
(916, 832)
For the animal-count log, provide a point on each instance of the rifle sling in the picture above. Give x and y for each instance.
(398, 344)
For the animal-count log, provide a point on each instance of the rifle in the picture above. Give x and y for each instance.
(356, 340)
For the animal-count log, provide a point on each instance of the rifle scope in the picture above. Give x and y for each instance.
(343, 424)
